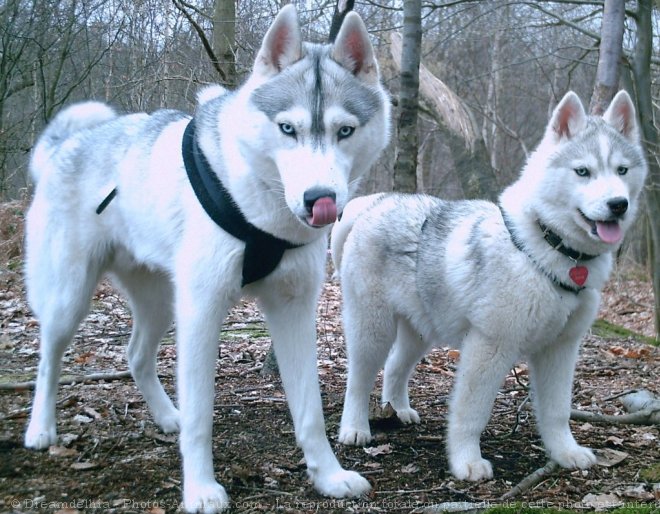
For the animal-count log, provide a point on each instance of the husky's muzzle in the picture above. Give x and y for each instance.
(609, 230)
(321, 206)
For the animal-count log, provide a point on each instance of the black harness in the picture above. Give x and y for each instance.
(263, 251)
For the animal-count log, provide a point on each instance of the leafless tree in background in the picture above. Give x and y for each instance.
(405, 166)
(224, 38)
(609, 61)
(646, 85)
(507, 61)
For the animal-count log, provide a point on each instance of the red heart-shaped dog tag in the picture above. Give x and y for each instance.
(579, 274)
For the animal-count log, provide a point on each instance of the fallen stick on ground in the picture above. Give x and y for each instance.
(643, 409)
(649, 416)
(76, 379)
(531, 480)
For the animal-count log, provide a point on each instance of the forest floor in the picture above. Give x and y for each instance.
(111, 457)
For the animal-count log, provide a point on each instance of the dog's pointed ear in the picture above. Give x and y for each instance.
(621, 115)
(352, 49)
(568, 118)
(282, 45)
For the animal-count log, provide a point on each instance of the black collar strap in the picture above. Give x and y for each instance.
(263, 251)
(558, 244)
(520, 246)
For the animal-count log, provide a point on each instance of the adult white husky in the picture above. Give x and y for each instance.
(521, 279)
(274, 164)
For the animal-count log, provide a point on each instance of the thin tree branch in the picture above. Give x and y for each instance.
(649, 416)
(77, 379)
(202, 36)
(531, 480)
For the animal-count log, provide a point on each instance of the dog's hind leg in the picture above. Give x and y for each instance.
(60, 293)
(408, 350)
(150, 295)
(370, 331)
(292, 324)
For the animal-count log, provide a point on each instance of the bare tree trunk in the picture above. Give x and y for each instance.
(405, 166)
(183, 6)
(342, 8)
(607, 83)
(458, 133)
(611, 41)
(641, 67)
(224, 38)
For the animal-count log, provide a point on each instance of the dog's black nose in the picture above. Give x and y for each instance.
(618, 206)
(311, 195)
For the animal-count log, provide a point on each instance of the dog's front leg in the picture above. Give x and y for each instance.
(292, 324)
(481, 369)
(551, 377)
(199, 318)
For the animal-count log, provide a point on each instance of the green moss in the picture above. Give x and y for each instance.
(250, 332)
(15, 265)
(608, 330)
(651, 474)
(522, 508)
(16, 377)
(526, 510)
(636, 510)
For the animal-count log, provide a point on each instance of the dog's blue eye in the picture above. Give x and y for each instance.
(582, 171)
(622, 170)
(287, 129)
(345, 131)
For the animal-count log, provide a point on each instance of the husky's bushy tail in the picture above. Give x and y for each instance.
(67, 122)
(342, 228)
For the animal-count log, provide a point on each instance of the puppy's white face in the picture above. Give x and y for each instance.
(595, 173)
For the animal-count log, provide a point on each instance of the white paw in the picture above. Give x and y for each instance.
(354, 436)
(40, 438)
(574, 457)
(205, 498)
(407, 416)
(169, 423)
(473, 470)
(342, 484)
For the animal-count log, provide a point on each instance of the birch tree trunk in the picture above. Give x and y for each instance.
(609, 58)
(405, 165)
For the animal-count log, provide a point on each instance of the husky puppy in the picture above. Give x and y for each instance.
(521, 279)
(268, 168)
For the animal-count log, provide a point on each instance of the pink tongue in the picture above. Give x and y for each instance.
(323, 212)
(609, 231)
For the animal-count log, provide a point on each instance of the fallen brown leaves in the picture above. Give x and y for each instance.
(112, 458)
(628, 300)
